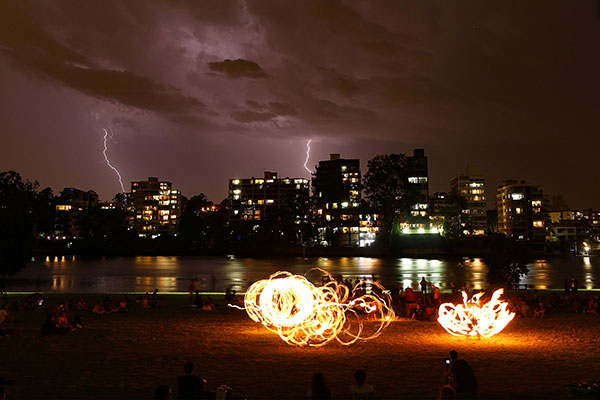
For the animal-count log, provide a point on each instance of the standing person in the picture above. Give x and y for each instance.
(190, 386)
(423, 285)
(574, 285)
(361, 390)
(437, 299)
(567, 285)
(464, 382)
(410, 300)
(318, 388)
(191, 289)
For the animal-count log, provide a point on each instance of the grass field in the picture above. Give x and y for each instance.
(125, 356)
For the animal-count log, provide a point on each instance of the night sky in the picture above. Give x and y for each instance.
(198, 92)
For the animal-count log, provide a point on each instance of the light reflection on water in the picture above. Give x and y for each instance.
(170, 274)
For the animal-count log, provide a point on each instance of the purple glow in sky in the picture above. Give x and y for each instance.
(203, 91)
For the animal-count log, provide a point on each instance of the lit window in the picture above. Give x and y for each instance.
(345, 204)
(538, 224)
(270, 201)
(517, 196)
(235, 181)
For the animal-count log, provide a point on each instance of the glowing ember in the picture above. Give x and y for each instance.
(473, 319)
(303, 314)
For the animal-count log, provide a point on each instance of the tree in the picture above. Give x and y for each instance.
(120, 199)
(507, 262)
(557, 203)
(386, 189)
(26, 214)
(452, 213)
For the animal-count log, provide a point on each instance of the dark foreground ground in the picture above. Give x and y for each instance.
(125, 356)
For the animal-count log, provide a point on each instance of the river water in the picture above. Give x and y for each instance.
(173, 274)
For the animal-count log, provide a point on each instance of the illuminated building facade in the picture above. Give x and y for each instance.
(259, 199)
(70, 205)
(471, 186)
(520, 211)
(336, 199)
(154, 208)
(417, 185)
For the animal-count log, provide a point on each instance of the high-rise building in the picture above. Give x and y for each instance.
(259, 199)
(471, 186)
(154, 208)
(417, 175)
(520, 211)
(70, 205)
(336, 199)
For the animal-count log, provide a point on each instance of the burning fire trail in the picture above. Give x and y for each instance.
(473, 319)
(108, 162)
(306, 315)
(307, 156)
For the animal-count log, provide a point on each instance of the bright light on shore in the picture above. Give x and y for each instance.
(473, 319)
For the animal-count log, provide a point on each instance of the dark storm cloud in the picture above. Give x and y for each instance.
(28, 45)
(282, 109)
(252, 116)
(238, 68)
(505, 84)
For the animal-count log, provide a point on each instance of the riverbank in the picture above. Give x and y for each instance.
(125, 356)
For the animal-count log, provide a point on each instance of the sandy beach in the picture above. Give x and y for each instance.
(125, 356)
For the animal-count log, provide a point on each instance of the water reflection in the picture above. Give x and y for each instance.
(146, 273)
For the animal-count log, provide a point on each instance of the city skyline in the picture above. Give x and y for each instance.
(199, 94)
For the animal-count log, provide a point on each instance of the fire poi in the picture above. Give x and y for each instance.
(474, 319)
(306, 315)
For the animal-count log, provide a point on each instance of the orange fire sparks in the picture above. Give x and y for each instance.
(306, 315)
(473, 319)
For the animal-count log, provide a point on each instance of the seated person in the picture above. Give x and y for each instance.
(146, 302)
(190, 386)
(81, 304)
(447, 392)
(99, 309)
(122, 305)
(361, 390)
(540, 310)
(418, 313)
(5, 319)
(464, 381)
(62, 323)
(591, 306)
(207, 304)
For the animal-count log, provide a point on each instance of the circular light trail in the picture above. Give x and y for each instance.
(305, 315)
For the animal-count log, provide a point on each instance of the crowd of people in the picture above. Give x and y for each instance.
(65, 316)
(460, 383)
(409, 302)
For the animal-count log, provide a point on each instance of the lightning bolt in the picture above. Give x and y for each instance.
(108, 162)
(307, 156)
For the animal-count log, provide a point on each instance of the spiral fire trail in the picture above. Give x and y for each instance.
(473, 319)
(108, 162)
(305, 315)
(307, 156)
